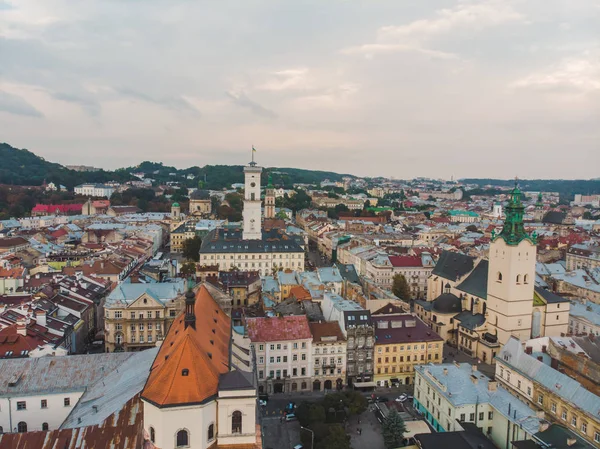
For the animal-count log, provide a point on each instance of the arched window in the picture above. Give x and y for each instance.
(211, 432)
(119, 339)
(183, 438)
(22, 427)
(499, 277)
(525, 279)
(236, 422)
(152, 435)
(518, 278)
(303, 386)
(45, 426)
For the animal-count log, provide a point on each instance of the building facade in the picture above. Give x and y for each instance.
(136, 316)
(562, 399)
(283, 348)
(329, 356)
(96, 190)
(401, 343)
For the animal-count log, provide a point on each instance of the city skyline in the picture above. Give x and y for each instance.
(465, 89)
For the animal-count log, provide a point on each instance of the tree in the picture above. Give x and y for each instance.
(188, 268)
(393, 430)
(400, 287)
(337, 439)
(587, 215)
(191, 248)
(472, 228)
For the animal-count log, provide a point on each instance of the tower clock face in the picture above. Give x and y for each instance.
(252, 184)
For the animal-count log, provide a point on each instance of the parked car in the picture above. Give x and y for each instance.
(290, 417)
(382, 399)
(403, 397)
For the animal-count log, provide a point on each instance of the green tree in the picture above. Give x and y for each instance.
(400, 287)
(191, 248)
(188, 268)
(393, 430)
(587, 215)
(337, 439)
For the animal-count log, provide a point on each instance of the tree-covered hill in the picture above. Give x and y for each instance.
(567, 188)
(22, 167)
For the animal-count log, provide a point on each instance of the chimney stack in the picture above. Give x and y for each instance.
(571, 441)
(473, 368)
(22, 327)
(445, 371)
(492, 385)
(40, 317)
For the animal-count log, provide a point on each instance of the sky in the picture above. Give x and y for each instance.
(441, 88)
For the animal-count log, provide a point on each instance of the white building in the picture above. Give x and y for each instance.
(584, 319)
(95, 190)
(252, 205)
(283, 348)
(39, 393)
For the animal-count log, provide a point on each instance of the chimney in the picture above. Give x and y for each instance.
(474, 379)
(473, 368)
(528, 350)
(492, 385)
(445, 371)
(544, 349)
(40, 317)
(22, 327)
(543, 426)
(571, 441)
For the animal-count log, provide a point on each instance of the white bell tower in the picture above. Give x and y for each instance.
(252, 204)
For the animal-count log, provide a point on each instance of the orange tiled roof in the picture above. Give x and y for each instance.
(203, 351)
(278, 328)
(300, 293)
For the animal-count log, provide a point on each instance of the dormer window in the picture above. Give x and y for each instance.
(185, 372)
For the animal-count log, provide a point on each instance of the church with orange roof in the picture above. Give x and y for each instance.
(195, 396)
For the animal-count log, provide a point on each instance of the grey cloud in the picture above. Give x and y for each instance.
(172, 102)
(14, 104)
(91, 106)
(242, 100)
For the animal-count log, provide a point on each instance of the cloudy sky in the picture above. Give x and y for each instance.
(441, 88)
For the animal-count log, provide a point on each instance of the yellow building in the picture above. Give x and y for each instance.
(562, 399)
(401, 343)
(136, 316)
(182, 232)
(200, 203)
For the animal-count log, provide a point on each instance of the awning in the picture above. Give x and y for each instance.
(364, 384)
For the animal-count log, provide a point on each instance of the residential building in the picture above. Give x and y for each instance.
(453, 396)
(138, 315)
(357, 327)
(584, 319)
(283, 348)
(562, 399)
(95, 190)
(243, 286)
(403, 341)
(583, 256)
(328, 356)
(183, 231)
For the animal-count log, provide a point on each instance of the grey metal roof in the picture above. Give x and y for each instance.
(231, 241)
(476, 282)
(111, 391)
(470, 320)
(21, 377)
(513, 355)
(549, 297)
(236, 380)
(453, 265)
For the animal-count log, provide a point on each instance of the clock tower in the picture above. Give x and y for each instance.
(252, 203)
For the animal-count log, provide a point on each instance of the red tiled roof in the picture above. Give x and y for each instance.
(11, 272)
(278, 328)
(300, 293)
(203, 351)
(406, 261)
(61, 208)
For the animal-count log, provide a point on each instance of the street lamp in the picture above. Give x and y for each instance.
(312, 437)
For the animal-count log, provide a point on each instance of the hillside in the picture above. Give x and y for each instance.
(22, 167)
(567, 188)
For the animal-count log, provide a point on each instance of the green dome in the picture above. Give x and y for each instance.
(175, 204)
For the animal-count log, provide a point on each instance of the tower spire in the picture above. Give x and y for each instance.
(513, 230)
(190, 305)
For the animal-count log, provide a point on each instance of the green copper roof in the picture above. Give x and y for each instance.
(270, 185)
(540, 202)
(175, 204)
(513, 231)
